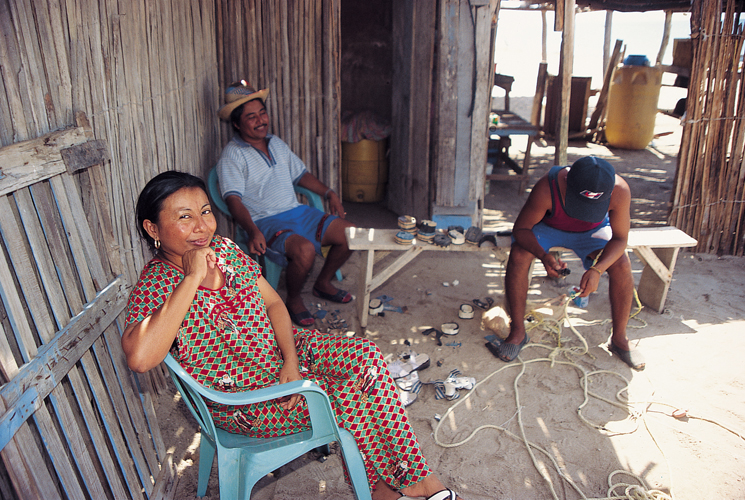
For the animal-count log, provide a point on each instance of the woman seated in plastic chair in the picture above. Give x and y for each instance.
(203, 300)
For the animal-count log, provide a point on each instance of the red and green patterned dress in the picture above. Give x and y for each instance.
(226, 342)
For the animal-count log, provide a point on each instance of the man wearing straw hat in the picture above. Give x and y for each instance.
(585, 208)
(257, 172)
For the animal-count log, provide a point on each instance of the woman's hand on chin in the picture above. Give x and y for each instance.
(198, 262)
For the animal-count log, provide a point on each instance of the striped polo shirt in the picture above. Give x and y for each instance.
(264, 183)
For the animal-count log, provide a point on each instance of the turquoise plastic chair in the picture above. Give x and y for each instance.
(243, 460)
(272, 270)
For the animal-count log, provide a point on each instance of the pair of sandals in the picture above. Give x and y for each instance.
(448, 388)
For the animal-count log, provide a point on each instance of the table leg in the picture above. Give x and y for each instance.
(656, 276)
(363, 296)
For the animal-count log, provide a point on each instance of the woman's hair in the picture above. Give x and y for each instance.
(235, 115)
(155, 192)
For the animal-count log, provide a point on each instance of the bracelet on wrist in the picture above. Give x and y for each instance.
(596, 269)
(326, 194)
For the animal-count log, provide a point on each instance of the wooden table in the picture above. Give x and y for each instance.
(499, 145)
(372, 240)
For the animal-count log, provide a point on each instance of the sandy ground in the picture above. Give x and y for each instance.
(477, 443)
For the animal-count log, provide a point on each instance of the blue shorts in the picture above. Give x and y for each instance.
(306, 221)
(583, 244)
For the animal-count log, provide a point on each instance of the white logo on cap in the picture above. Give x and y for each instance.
(590, 195)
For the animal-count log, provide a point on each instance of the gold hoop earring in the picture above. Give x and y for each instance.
(157, 244)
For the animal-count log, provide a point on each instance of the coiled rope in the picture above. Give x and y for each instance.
(639, 491)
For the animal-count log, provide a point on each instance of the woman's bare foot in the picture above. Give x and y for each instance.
(384, 492)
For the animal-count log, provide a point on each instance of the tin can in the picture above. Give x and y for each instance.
(578, 301)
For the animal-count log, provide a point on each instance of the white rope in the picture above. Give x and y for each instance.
(630, 491)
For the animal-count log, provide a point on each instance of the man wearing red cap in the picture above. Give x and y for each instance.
(585, 208)
(257, 171)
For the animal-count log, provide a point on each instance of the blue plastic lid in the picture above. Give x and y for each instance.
(636, 60)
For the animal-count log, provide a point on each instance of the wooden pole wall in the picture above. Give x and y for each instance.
(708, 201)
(291, 47)
(139, 77)
(144, 73)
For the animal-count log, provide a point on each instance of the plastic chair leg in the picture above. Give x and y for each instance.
(206, 457)
(355, 465)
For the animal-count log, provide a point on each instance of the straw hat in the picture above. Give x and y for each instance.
(237, 94)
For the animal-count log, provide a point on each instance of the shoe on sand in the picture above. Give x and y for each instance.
(634, 358)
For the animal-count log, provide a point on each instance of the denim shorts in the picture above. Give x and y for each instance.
(302, 220)
(582, 244)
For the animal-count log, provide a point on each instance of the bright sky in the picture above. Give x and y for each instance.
(518, 44)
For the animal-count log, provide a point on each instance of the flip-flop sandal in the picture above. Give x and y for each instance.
(473, 235)
(409, 381)
(303, 318)
(484, 304)
(407, 397)
(505, 351)
(438, 334)
(341, 296)
(442, 240)
(408, 362)
(488, 238)
(448, 388)
(632, 358)
(451, 328)
(446, 494)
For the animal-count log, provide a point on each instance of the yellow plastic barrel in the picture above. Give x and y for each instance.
(632, 106)
(364, 170)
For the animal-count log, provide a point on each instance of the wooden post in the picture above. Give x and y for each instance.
(567, 64)
(606, 40)
(665, 36)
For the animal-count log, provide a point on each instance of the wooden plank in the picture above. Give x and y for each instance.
(64, 243)
(659, 237)
(443, 161)
(24, 394)
(106, 401)
(86, 258)
(26, 467)
(43, 260)
(11, 300)
(484, 73)
(87, 154)
(28, 162)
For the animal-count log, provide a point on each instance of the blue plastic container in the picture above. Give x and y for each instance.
(636, 60)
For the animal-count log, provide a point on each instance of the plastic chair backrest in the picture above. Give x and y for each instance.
(272, 269)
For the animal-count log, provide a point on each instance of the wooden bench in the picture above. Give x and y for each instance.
(657, 248)
(370, 240)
